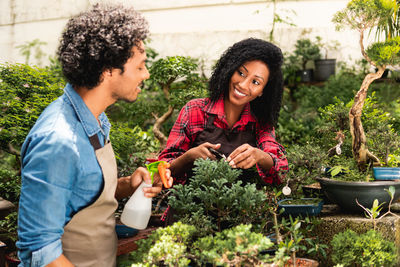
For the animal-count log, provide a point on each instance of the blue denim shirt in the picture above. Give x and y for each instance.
(60, 175)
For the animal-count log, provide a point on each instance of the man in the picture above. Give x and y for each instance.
(69, 173)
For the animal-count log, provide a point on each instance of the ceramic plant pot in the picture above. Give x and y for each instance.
(386, 173)
(345, 193)
(125, 231)
(303, 207)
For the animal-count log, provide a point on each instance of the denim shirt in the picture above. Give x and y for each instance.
(60, 175)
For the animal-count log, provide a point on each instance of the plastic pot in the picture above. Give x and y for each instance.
(324, 68)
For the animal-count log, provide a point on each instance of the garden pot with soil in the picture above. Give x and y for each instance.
(303, 206)
(346, 193)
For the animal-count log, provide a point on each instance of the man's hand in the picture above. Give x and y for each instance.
(127, 185)
(142, 174)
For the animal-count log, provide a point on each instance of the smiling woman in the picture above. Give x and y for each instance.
(237, 119)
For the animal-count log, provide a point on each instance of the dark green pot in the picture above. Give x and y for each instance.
(324, 68)
(345, 193)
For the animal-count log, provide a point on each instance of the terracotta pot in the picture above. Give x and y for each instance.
(302, 262)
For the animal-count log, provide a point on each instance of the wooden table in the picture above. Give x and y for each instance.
(128, 244)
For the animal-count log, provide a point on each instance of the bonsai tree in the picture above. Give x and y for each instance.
(364, 15)
(216, 198)
(305, 50)
(178, 81)
(173, 82)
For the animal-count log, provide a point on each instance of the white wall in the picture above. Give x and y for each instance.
(198, 28)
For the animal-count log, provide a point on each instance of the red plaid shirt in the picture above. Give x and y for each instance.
(192, 120)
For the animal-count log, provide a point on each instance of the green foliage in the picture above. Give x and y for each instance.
(139, 113)
(8, 227)
(343, 247)
(10, 185)
(166, 70)
(305, 163)
(305, 50)
(385, 53)
(298, 237)
(368, 249)
(378, 125)
(216, 199)
(291, 65)
(169, 246)
(131, 146)
(299, 119)
(173, 82)
(180, 245)
(362, 14)
(24, 93)
(233, 246)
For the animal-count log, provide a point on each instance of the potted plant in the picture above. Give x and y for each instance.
(349, 248)
(325, 67)
(217, 199)
(306, 51)
(345, 183)
(302, 206)
(364, 15)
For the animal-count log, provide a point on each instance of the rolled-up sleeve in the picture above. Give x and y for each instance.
(47, 180)
(189, 121)
(266, 141)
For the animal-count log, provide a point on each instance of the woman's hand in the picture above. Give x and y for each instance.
(246, 156)
(202, 151)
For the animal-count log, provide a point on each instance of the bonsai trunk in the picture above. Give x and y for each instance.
(157, 125)
(360, 151)
(160, 120)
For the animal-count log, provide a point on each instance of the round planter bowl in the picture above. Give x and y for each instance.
(386, 173)
(345, 193)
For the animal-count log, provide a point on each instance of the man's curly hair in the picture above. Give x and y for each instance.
(97, 40)
(266, 107)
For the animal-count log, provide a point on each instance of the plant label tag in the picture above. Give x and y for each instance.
(286, 190)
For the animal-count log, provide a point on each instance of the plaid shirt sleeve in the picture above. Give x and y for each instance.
(266, 141)
(189, 123)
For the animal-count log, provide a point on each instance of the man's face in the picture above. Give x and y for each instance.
(126, 85)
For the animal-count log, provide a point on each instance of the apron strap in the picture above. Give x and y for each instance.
(210, 120)
(95, 142)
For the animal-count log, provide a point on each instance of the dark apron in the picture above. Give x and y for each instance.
(229, 140)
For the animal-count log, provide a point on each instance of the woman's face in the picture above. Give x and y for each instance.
(248, 82)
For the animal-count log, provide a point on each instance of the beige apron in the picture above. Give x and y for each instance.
(89, 239)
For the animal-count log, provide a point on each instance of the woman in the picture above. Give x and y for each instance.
(238, 118)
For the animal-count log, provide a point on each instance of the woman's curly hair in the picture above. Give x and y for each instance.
(266, 107)
(99, 39)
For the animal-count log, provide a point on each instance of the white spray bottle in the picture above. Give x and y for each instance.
(137, 210)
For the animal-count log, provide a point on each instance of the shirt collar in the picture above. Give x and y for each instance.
(217, 108)
(89, 122)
